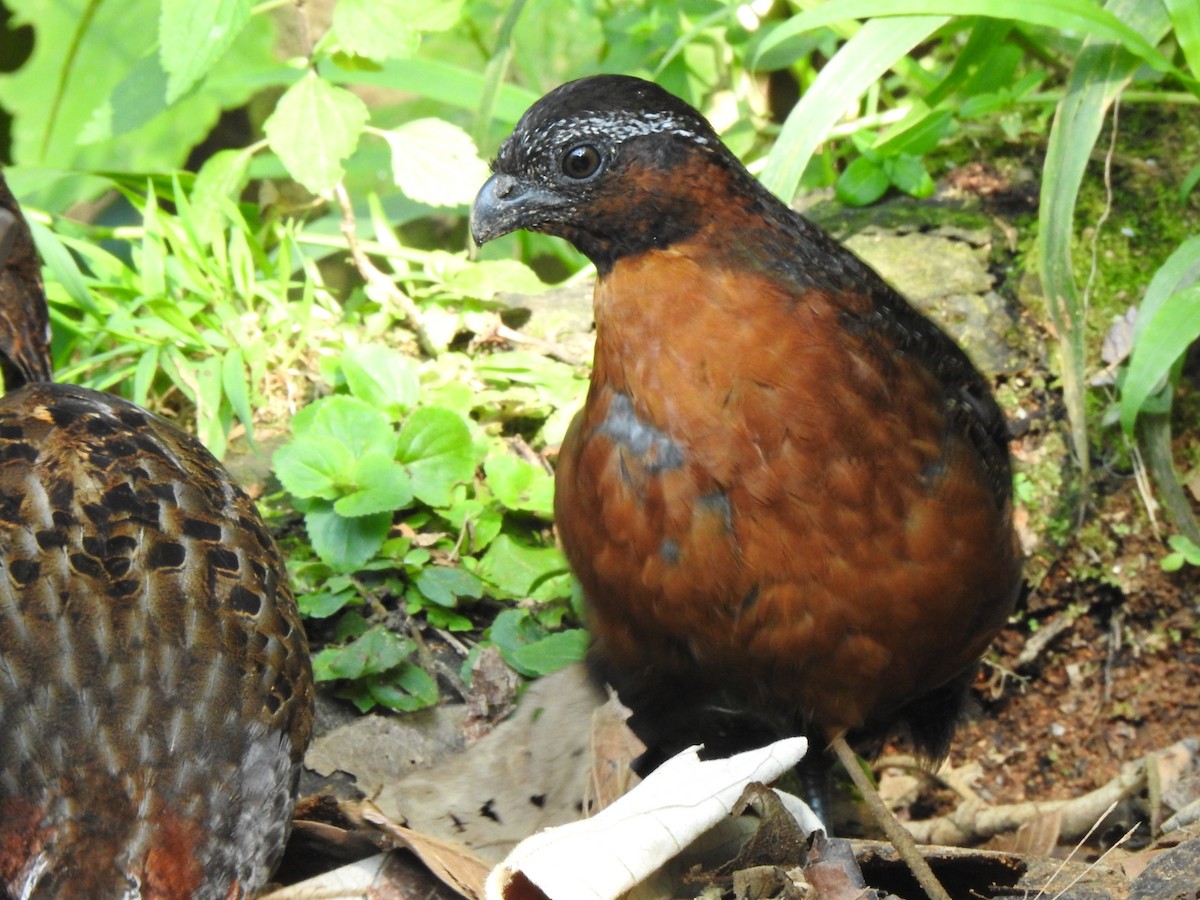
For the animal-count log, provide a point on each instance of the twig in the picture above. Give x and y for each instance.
(1043, 637)
(901, 839)
(976, 821)
(377, 279)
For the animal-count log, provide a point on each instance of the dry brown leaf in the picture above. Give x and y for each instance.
(454, 865)
(614, 747)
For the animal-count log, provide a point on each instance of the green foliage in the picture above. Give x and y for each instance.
(187, 301)
(387, 471)
(1183, 552)
(1168, 323)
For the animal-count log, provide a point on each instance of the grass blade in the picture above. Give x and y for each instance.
(854, 68)
(1100, 72)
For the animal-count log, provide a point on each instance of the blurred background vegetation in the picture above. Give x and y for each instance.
(252, 218)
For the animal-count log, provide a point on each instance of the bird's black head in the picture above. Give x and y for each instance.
(610, 163)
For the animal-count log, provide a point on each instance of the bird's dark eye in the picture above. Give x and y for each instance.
(581, 162)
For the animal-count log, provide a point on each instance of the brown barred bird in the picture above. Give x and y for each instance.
(155, 687)
(788, 494)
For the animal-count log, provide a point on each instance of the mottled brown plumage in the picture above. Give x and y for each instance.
(155, 687)
(788, 494)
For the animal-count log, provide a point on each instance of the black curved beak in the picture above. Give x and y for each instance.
(506, 204)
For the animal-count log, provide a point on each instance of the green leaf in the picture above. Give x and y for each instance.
(1185, 23)
(237, 389)
(918, 133)
(1160, 342)
(407, 689)
(445, 584)
(382, 485)
(908, 173)
(436, 162)
(513, 629)
(863, 182)
(323, 604)
(358, 425)
(485, 279)
(551, 653)
(140, 96)
(436, 445)
(1086, 16)
(1100, 72)
(520, 485)
(376, 29)
(64, 267)
(344, 544)
(193, 35)
(223, 175)
(859, 63)
(514, 568)
(1181, 270)
(314, 127)
(314, 466)
(1189, 183)
(481, 518)
(375, 651)
(383, 377)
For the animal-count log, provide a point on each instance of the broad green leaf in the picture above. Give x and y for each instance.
(514, 568)
(323, 604)
(355, 423)
(383, 377)
(1171, 329)
(407, 689)
(352, 625)
(445, 584)
(323, 662)
(314, 127)
(908, 173)
(376, 29)
(141, 95)
(512, 629)
(485, 279)
(478, 516)
(436, 446)
(859, 63)
(314, 466)
(863, 182)
(193, 35)
(375, 651)
(521, 485)
(345, 544)
(382, 485)
(551, 653)
(85, 50)
(436, 162)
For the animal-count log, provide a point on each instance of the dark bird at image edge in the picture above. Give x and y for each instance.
(156, 693)
(788, 495)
